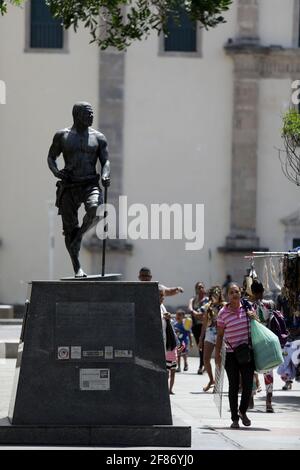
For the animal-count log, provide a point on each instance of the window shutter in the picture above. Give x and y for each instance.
(182, 37)
(46, 31)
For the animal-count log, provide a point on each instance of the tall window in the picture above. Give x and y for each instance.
(46, 32)
(182, 37)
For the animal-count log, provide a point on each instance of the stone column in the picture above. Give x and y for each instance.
(111, 123)
(242, 237)
(111, 114)
(244, 160)
(248, 21)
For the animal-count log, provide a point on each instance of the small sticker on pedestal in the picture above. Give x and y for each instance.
(108, 352)
(94, 379)
(126, 353)
(63, 353)
(93, 354)
(75, 352)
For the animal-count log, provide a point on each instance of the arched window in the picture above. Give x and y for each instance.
(46, 32)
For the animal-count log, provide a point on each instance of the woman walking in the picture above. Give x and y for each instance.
(233, 324)
(195, 308)
(264, 310)
(209, 330)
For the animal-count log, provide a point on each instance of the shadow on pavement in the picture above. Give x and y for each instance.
(284, 402)
(257, 411)
(241, 429)
(225, 394)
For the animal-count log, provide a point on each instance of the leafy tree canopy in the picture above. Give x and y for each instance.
(118, 23)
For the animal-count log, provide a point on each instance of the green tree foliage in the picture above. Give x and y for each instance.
(291, 126)
(118, 23)
(3, 5)
(290, 156)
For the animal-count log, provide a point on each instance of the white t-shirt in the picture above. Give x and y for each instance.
(163, 310)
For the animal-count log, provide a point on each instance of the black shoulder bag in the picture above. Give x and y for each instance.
(243, 352)
(170, 337)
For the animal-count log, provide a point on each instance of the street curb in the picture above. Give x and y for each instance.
(9, 349)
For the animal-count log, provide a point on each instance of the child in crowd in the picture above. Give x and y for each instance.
(184, 337)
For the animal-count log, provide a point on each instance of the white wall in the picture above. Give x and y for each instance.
(276, 22)
(41, 89)
(178, 123)
(277, 197)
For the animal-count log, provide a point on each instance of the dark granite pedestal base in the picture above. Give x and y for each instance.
(98, 436)
(91, 368)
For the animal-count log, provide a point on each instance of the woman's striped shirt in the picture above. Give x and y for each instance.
(236, 326)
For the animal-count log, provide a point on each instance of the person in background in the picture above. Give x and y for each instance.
(233, 324)
(145, 275)
(209, 330)
(195, 308)
(171, 344)
(185, 339)
(292, 324)
(227, 281)
(263, 310)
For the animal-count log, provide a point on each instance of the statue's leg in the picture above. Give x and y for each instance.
(73, 254)
(92, 200)
(69, 211)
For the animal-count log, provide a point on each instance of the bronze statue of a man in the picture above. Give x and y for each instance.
(82, 147)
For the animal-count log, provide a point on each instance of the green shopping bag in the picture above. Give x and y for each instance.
(266, 347)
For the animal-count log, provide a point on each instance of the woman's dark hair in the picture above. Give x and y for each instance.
(197, 284)
(230, 285)
(257, 287)
(213, 290)
(181, 312)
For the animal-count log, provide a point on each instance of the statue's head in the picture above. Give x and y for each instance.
(83, 114)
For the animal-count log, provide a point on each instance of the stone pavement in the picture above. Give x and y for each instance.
(191, 406)
(10, 331)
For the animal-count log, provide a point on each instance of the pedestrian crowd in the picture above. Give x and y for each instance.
(245, 332)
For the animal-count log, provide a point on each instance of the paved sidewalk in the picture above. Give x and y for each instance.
(10, 331)
(191, 406)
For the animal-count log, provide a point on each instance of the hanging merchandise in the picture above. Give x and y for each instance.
(248, 279)
(266, 277)
(287, 277)
(247, 284)
(280, 272)
(274, 275)
(291, 290)
(253, 272)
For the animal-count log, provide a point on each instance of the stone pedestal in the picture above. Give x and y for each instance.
(91, 365)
